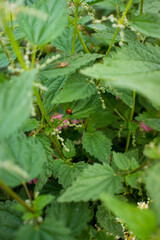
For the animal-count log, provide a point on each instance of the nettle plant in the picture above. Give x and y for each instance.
(79, 119)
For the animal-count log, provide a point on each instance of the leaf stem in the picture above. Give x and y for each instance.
(75, 28)
(119, 114)
(141, 7)
(117, 29)
(135, 170)
(131, 119)
(6, 52)
(27, 193)
(33, 57)
(11, 18)
(15, 196)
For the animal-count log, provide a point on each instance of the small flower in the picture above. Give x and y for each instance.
(33, 181)
(145, 127)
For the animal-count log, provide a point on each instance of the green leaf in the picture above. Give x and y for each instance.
(132, 67)
(148, 24)
(151, 119)
(152, 181)
(29, 124)
(77, 87)
(93, 181)
(47, 170)
(151, 6)
(15, 96)
(44, 21)
(74, 63)
(50, 229)
(10, 221)
(108, 222)
(71, 147)
(67, 173)
(41, 201)
(64, 42)
(141, 222)
(74, 215)
(121, 161)
(19, 158)
(103, 236)
(97, 145)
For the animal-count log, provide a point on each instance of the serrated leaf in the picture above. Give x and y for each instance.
(133, 67)
(74, 63)
(44, 21)
(94, 180)
(77, 87)
(69, 145)
(108, 222)
(10, 221)
(41, 201)
(19, 158)
(29, 125)
(101, 235)
(97, 145)
(66, 173)
(151, 119)
(15, 96)
(148, 24)
(152, 181)
(48, 230)
(121, 161)
(141, 222)
(64, 42)
(74, 215)
(151, 6)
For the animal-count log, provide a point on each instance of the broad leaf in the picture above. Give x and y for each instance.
(15, 96)
(141, 222)
(19, 158)
(133, 67)
(69, 145)
(151, 6)
(97, 145)
(44, 21)
(94, 180)
(74, 215)
(121, 161)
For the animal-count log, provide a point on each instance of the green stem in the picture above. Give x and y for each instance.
(135, 170)
(141, 7)
(131, 119)
(119, 114)
(27, 193)
(75, 29)
(15, 196)
(33, 57)
(15, 46)
(117, 29)
(11, 18)
(45, 115)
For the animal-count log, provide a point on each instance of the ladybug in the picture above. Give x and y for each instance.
(69, 111)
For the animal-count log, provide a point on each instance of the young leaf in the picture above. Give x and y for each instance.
(71, 147)
(66, 173)
(44, 21)
(94, 180)
(141, 222)
(121, 161)
(74, 215)
(97, 145)
(29, 125)
(15, 96)
(21, 159)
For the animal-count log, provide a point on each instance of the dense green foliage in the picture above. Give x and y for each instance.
(79, 119)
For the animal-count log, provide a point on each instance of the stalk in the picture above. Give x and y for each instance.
(141, 7)
(75, 28)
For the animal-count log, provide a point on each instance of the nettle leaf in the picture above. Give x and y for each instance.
(151, 119)
(15, 96)
(71, 147)
(132, 179)
(133, 67)
(94, 180)
(64, 42)
(151, 6)
(4, 61)
(148, 24)
(67, 173)
(47, 170)
(21, 159)
(73, 63)
(108, 222)
(10, 221)
(77, 87)
(74, 215)
(141, 222)
(29, 125)
(97, 145)
(152, 181)
(101, 235)
(44, 21)
(121, 161)
(48, 230)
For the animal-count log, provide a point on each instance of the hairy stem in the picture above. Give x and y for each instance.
(11, 20)
(27, 193)
(33, 57)
(131, 119)
(15, 196)
(117, 29)
(141, 7)
(119, 114)
(75, 29)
